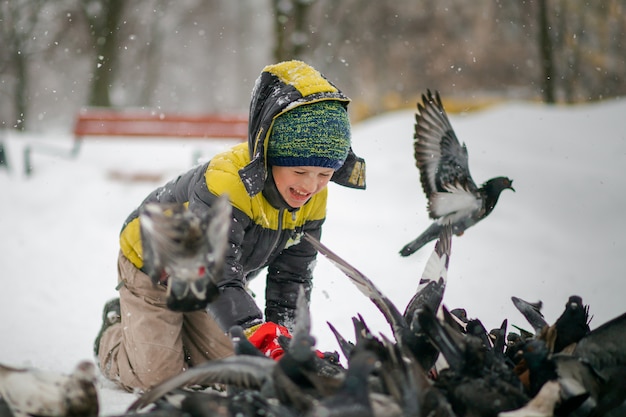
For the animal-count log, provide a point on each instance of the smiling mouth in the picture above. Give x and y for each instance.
(298, 195)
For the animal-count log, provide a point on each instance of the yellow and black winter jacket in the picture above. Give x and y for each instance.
(265, 231)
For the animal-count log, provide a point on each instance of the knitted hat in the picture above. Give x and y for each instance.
(316, 134)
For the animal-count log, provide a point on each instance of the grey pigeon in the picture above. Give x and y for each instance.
(31, 391)
(452, 195)
(187, 249)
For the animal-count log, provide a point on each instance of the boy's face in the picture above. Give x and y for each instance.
(297, 184)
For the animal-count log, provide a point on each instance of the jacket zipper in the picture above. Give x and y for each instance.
(281, 213)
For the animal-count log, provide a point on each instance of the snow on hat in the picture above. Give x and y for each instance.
(315, 134)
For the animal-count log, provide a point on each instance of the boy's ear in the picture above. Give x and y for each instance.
(352, 172)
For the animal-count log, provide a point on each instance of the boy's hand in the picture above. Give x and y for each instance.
(265, 337)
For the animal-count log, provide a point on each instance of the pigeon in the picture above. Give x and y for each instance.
(241, 344)
(477, 382)
(452, 195)
(578, 381)
(352, 397)
(31, 391)
(605, 346)
(187, 249)
(400, 386)
(571, 326)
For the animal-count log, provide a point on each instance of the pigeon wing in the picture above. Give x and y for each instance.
(532, 313)
(442, 161)
(217, 232)
(366, 286)
(605, 346)
(239, 371)
(169, 232)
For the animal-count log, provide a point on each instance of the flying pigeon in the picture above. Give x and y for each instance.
(452, 195)
(187, 249)
(37, 392)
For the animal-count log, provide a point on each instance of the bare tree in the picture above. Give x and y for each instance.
(104, 19)
(19, 20)
(547, 53)
(290, 28)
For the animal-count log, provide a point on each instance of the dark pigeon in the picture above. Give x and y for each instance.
(571, 326)
(352, 397)
(241, 344)
(477, 382)
(452, 195)
(187, 249)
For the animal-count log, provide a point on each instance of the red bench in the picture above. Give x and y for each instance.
(131, 123)
(108, 122)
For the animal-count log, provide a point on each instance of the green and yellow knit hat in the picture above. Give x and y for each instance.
(315, 134)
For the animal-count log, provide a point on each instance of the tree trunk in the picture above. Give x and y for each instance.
(547, 58)
(290, 28)
(105, 36)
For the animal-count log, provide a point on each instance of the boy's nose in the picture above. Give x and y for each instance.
(309, 184)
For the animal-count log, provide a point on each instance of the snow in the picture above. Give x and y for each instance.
(561, 233)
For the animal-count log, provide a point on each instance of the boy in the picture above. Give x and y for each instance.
(298, 141)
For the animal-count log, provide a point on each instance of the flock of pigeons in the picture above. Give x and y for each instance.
(438, 363)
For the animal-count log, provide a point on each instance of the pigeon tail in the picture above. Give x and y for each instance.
(430, 234)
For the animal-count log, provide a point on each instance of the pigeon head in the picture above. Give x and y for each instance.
(185, 249)
(574, 302)
(492, 190)
(498, 184)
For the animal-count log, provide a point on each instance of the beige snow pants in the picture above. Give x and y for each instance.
(153, 343)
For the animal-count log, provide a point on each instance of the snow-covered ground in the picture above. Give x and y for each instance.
(562, 233)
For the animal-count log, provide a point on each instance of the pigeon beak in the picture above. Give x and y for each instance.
(183, 295)
(511, 185)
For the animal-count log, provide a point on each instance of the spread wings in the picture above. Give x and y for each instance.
(440, 158)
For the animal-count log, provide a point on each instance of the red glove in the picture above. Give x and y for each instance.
(265, 338)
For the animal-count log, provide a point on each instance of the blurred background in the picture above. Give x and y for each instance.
(197, 56)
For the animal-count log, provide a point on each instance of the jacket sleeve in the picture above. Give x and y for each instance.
(292, 269)
(234, 306)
